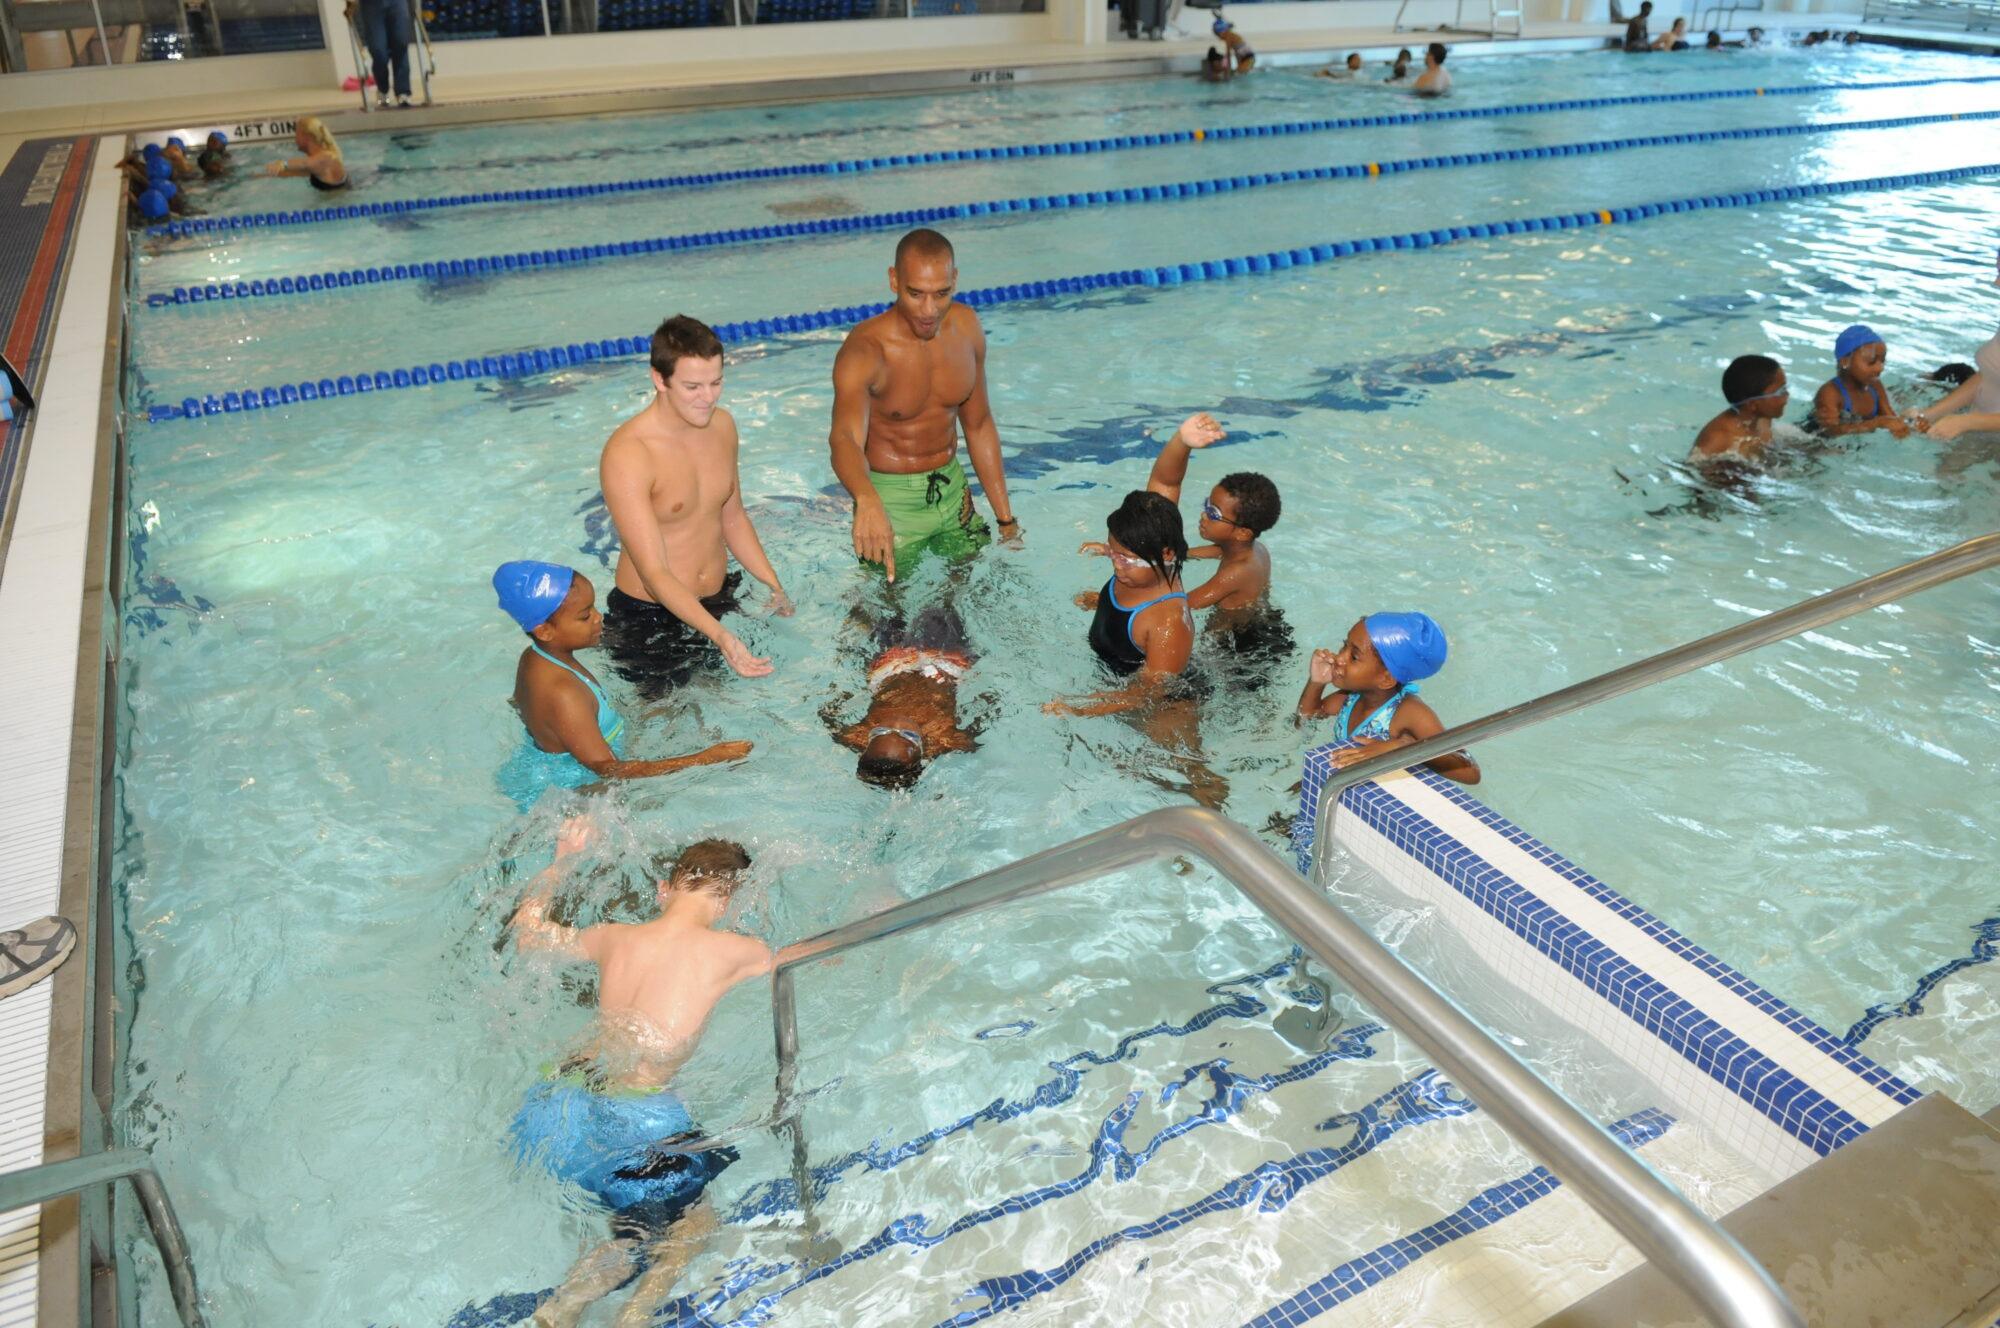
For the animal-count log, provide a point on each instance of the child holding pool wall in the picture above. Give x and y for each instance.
(1373, 701)
(573, 731)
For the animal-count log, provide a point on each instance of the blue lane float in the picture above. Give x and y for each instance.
(1073, 147)
(524, 363)
(535, 260)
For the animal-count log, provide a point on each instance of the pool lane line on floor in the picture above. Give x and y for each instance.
(1068, 148)
(524, 363)
(540, 259)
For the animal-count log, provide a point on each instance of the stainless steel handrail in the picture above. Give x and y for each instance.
(1974, 555)
(52, 1180)
(1699, 1256)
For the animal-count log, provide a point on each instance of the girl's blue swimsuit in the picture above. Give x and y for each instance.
(1376, 726)
(531, 770)
(1849, 415)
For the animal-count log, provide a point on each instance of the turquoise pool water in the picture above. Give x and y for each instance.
(325, 1046)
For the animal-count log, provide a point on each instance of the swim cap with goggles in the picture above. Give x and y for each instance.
(1410, 645)
(530, 591)
(1853, 339)
(1221, 25)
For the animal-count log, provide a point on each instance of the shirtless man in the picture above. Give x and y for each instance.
(669, 476)
(904, 384)
(606, 1121)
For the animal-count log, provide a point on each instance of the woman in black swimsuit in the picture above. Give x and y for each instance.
(322, 164)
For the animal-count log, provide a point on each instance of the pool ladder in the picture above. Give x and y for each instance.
(53, 1180)
(1729, 1286)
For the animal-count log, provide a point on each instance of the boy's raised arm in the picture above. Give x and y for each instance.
(1170, 467)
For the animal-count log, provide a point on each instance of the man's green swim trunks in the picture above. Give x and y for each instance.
(931, 512)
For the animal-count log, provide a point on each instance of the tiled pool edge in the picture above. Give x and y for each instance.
(46, 592)
(1719, 1046)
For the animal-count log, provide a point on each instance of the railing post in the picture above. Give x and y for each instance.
(785, 1024)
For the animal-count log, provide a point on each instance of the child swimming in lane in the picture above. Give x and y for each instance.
(1854, 400)
(1349, 70)
(1755, 388)
(573, 732)
(1373, 702)
(606, 1119)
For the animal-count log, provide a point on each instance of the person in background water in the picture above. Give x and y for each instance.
(605, 1120)
(1399, 69)
(1215, 66)
(1352, 69)
(573, 732)
(387, 31)
(214, 159)
(1754, 386)
(322, 164)
(1674, 38)
(672, 486)
(1241, 57)
(1435, 81)
(905, 384)
(913, 708)
(1854, 400)
(1373, 698)
(1636, 39)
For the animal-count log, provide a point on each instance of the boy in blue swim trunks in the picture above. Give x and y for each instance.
(605, 1121)
(573, 733)
(1373, 701)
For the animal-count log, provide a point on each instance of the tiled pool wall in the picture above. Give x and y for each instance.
(1715, 1047)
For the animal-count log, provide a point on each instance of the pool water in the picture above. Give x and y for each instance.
(326, 1040)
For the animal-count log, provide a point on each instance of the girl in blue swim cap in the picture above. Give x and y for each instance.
(1373, 701)
(574, 734)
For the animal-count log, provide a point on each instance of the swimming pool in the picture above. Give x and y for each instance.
(325, 1047)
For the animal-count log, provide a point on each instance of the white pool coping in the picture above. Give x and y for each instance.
(41, 601)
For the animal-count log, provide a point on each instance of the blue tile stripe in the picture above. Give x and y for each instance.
(1985, 949)
(1350, 1279)
(1317, 769)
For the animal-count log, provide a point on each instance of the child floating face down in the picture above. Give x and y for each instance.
(1757, 393)
(1373, 678)
(913, 700)
(573, 731)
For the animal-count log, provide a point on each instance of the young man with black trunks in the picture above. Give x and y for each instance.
(670, 482)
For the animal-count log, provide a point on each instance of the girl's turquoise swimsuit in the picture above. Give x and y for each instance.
(1376, 726)
(531, 770)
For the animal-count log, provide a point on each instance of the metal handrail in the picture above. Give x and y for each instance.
(1974, 555)
(52, 1180)
(1698, 1255)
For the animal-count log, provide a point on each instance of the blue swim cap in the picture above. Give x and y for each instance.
(1853, 339)
(1221, 25)
(152, 150)
(1412, 645)
(220, 136)
(166, 189)
(531, 591)
(178, 142)
(152, 205)
(159, 168)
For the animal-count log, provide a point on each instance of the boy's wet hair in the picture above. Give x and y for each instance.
(888, 772)
(1747, 376)
(682, 337)
(1257, 506)
(1954, 373)
(716, 864)
(1147, 523)
(1436, 51)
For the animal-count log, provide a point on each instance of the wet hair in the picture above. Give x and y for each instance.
(1436, 51)
(682, 337)
(1954, 373)
(1714, 39)
(1147, 523)
(1747, 376)
(1403, 56)
(1646, 6)
(888, 772)
(924, 243)
(1257, 505)
(706, 863)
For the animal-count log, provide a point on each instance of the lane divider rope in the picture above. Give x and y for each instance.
(543, 360)
(536, 260)
(1074, 147)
